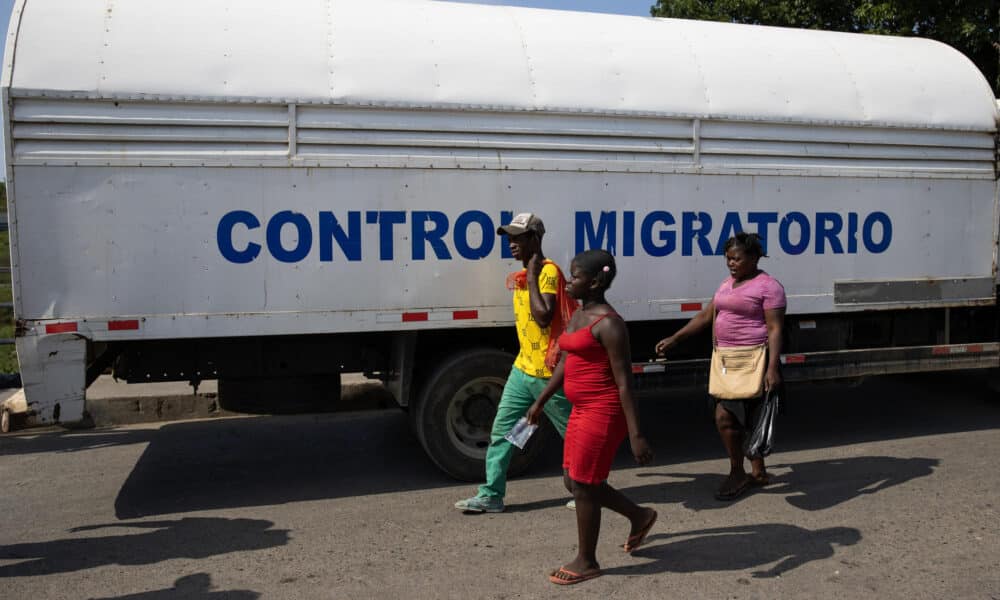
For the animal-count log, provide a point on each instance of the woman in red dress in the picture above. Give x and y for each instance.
(595, 371)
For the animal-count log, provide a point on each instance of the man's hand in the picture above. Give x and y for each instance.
(535, 265)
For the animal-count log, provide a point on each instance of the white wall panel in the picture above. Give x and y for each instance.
(156, 250)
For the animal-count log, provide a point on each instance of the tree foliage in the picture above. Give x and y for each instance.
(971, 26)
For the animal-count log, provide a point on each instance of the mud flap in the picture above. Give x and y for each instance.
(54, 376)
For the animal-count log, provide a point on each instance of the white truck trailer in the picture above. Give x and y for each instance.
(270, 194)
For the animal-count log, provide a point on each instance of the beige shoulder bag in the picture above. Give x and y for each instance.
(737, 372)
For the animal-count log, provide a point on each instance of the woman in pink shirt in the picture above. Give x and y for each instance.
(749, 310)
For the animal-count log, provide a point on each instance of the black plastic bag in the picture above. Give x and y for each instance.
(759, 439)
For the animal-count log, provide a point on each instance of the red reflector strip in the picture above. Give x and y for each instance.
(794, 359)
(690, 306)
(413, 317)
(636, 369)
(61, 327)
(971, 349)
(123, 325)
(460, 315)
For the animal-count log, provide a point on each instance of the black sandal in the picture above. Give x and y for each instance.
(734, 493)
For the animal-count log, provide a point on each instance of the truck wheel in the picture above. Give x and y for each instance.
(455, 410)
(5, 421)
(993, 380)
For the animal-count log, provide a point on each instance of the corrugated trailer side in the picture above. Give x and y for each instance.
(206, 209)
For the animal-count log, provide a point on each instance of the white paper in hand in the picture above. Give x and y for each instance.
(520, 433)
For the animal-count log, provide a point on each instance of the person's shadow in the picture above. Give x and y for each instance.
(189, 537)
(822, 484)
(740, 548)
(190, 587)
(814, 485)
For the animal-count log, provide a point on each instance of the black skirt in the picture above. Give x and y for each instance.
(744, 411)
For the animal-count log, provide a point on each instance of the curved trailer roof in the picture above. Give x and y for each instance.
(428, 54)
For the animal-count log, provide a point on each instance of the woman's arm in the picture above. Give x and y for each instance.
(775, 319)
(553, 386)
(613, 335)
(697, 323)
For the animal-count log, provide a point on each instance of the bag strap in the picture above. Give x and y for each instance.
(565, 305)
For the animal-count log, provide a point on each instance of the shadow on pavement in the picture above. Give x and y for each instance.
(273, 460)
(739, 548)
(29, 442)
(190, 587)
(815, 485)
(182, 538)
(259, 461)
(682, 428)
(821, 484)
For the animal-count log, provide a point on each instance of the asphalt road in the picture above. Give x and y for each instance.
(886, 490)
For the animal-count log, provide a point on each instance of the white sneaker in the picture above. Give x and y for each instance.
(481, 504)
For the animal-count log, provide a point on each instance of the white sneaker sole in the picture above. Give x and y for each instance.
(470, 509)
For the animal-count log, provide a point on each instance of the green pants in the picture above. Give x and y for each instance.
(519, 393)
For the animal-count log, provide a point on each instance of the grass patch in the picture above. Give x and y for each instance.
(8, 355)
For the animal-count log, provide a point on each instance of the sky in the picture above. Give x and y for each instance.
(5, 7)
(622, 7)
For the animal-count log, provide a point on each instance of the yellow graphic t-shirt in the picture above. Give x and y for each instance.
(534, 339)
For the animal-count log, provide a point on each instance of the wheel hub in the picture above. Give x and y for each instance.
(479, 410)
(470, 415)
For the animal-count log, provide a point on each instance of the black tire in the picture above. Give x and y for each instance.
(280, 395)
(455, 410)
(993, 380)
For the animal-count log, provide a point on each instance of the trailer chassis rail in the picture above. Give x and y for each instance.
(838, 364)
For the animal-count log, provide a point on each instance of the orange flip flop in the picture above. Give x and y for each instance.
(563, 576)
(634, 541)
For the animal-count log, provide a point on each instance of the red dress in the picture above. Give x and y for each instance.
(597, 423)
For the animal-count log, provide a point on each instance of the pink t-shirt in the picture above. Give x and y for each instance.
(739, 320)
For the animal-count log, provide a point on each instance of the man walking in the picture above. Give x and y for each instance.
(536, 289)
